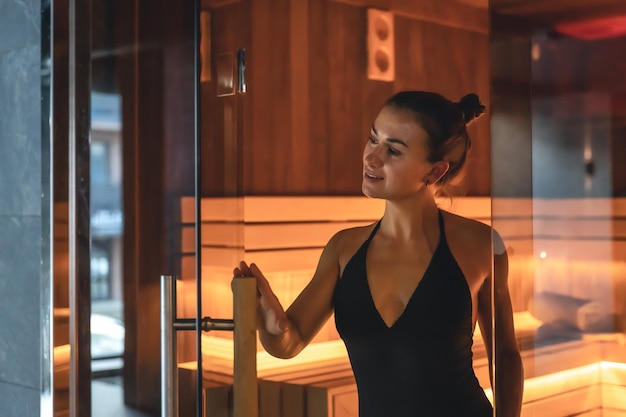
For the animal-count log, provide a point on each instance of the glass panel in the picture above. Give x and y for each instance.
(107, 316)
(142, 182)
(558, 201)
(218, 208)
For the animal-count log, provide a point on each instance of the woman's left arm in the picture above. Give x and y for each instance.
(509, 372)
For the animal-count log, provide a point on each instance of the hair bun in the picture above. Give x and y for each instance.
(471, 107)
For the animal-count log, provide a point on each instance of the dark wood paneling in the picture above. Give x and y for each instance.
(570, 70)
(261, 145)
(347, 129)
(553, 11)
(319, 31)
(511, 120)
(178, 94)
(221, 134)
(570, 65)
(178, 137)
(447, 13)
(140, 84)
(300, 110)
(279, 99)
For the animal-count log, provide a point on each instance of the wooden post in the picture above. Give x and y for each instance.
(245, 386)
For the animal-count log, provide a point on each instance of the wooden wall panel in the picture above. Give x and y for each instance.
(224, 119)
(312, 105)
(261, 148)
(453, 62)
(348, 127)
(269, 164)
(140, 77)
(300, 137)
(320, 146)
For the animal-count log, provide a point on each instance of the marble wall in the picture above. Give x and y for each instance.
(23, 212)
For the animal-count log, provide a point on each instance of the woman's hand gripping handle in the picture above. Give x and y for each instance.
(271, 314)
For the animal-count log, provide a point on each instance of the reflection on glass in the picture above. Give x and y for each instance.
(107, 327)
(566, 237)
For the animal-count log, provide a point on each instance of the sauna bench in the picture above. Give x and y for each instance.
(574, 377)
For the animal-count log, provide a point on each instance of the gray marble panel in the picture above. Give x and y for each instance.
(20, 23)
(19, 401)
(20, 132)
(20, 276)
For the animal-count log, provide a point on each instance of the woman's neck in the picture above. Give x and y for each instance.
(405, 219)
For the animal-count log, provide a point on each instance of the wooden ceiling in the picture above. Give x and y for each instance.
(553, 11)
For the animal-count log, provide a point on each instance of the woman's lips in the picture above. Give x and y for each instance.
(371, 176)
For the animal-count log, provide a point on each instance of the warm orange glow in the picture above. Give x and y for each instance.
(589, 387)
(218, 356)
(599, 385)
(284, 236)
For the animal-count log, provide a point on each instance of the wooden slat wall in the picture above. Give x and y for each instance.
(584, 240)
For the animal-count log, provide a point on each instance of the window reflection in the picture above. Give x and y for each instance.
(107, 327)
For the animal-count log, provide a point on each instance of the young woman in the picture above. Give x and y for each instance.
(407, 291)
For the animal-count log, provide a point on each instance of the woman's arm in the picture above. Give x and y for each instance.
(509, 373)
(285, 334)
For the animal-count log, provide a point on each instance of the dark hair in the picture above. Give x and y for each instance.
(445, 122)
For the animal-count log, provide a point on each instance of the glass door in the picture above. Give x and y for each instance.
(198, 156)
(212, 218)
(122, 152)
(279, 171)
(558, 200)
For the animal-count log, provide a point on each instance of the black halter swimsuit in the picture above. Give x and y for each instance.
(421, 366)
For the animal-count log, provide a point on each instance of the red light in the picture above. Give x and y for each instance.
(609, 27)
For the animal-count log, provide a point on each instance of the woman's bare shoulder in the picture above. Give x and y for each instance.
(352, 235)
(470, 242)
(469, 231)
(347, 241)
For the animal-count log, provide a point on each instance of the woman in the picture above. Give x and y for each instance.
(407, 291)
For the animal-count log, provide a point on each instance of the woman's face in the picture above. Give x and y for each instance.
(394, 159)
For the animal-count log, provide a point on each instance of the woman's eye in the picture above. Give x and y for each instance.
(373, 140)
(392, 151)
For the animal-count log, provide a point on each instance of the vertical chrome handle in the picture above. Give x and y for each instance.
(243, 324)
(169, 375)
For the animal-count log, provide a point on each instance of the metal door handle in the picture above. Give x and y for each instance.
(241, 71)
(245, 386)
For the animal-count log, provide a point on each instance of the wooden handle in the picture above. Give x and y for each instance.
(245, 386)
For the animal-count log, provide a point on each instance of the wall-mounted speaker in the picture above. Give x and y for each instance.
(380, 45)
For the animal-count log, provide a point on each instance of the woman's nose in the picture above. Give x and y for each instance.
(372, 158)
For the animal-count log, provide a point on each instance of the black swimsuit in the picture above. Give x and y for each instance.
(421, 366)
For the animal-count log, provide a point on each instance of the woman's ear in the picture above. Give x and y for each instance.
(438, 170)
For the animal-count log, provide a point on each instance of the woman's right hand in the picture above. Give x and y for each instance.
(271, 315)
